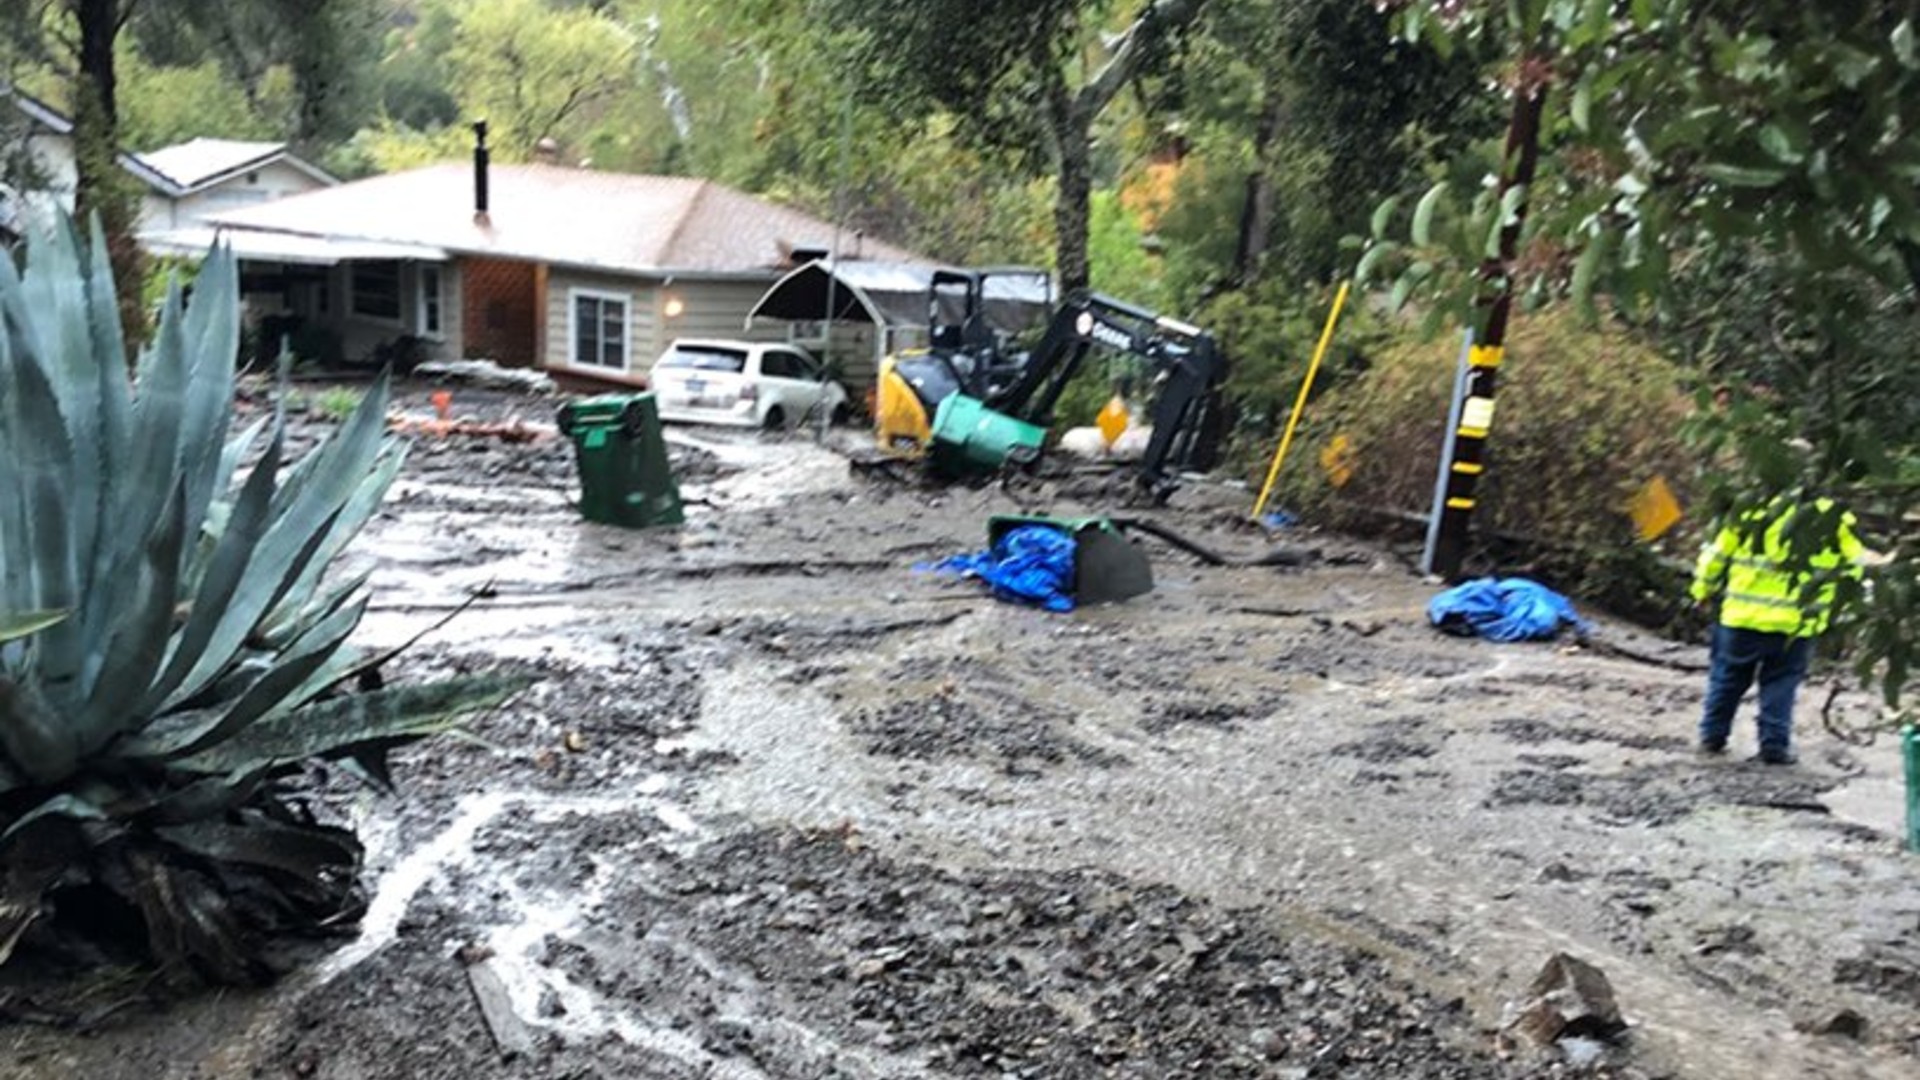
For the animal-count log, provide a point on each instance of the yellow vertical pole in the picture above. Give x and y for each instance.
(1300, 404)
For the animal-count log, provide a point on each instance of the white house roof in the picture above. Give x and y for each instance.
(200, 163)
(563, 216)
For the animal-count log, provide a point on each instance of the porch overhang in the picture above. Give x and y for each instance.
(260, 245)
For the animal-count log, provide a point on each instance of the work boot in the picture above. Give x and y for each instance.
(1776, 756)
(1710, 748)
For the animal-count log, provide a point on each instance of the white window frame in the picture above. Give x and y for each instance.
(625, 300)
(438, 298)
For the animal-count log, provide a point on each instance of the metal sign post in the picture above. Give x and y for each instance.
(1447, 444)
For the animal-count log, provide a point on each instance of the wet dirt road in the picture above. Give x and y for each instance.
(782, 807)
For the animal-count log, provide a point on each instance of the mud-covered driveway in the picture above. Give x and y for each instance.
(782, 807)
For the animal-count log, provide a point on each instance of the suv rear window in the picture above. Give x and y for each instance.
(704, 358)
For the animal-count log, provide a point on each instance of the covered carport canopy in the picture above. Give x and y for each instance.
(893, 295)
(885, 294)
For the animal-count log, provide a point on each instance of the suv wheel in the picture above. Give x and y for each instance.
(775, 419)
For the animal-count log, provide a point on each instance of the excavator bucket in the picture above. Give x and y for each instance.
(1107, 568)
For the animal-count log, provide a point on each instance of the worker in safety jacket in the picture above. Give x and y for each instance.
(1771, 610)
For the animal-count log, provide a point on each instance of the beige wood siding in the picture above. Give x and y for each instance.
(563, 285)
(715, 309)
(706, 309)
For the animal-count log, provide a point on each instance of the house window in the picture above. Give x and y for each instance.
(429, 300)
(375, 290)
(599, 330)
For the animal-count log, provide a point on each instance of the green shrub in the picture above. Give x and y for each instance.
(1585, 418)
(336, 403)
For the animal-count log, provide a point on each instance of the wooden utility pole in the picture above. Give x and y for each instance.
(1469, 451)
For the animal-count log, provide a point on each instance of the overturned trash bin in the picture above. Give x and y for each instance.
(1057, 563)
(624, 476)
(969, 437)
(1107, 568)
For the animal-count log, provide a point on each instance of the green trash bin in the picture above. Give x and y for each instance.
(1910, 744)
(968, 436)
(1107, 568)
(624, 476)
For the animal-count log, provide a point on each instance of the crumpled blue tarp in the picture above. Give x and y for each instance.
(1032, 564)
(1507, 609)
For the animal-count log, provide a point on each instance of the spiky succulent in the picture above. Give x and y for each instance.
(171, 646)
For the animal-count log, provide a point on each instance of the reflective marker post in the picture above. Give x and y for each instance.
(1446, 453)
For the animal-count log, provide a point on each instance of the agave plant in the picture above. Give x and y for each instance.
(172, 649)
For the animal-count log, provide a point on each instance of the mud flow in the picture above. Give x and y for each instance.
(781, 806)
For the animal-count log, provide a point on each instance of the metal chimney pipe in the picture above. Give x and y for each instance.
(480, 157)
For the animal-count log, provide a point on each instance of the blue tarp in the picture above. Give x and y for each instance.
(1032, 564)
(1508, 609)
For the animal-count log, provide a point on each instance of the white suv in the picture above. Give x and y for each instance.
(750, 383)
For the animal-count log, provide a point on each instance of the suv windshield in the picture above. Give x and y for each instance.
(704, 358)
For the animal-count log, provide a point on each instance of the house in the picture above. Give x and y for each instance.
(37, 160)
(578, 272)
(207, 176)
(179, 185)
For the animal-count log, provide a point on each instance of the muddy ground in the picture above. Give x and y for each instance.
(781, 806)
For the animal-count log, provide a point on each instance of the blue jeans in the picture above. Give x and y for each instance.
(1780, 662)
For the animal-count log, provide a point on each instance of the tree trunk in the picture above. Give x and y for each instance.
(1256, 212)
(1073, 205)
(100, 187)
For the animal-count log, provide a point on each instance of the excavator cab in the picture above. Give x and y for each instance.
(974, 317)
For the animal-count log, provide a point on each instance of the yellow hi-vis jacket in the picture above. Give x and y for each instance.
(1759, 590)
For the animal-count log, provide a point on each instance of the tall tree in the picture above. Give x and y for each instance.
(328, 48)
(1019, 74)
(531, 69)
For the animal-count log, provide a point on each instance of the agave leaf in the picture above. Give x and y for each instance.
(294, 538)
(71, 361)
(360, 508)
(137, 649)
(241, 623)
(296, 620)
(213, 338)
(17, 591)
(207, 797)
(158, 419)
(43, 464)
(113, 395)
(339, 724)
(225, 570)
(304, 853)
(231, 454)
(346, 455)
(35, 740)
(152, 481)
(66, 806)
(28, 623)
(306, 656)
